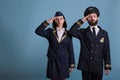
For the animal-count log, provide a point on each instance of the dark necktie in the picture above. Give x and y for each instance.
(94, 32)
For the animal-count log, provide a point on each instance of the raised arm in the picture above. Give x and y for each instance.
(74, 29)
(40, 30)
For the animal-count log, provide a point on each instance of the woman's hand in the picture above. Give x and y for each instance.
(51, 20)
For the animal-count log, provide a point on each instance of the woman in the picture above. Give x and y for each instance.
(60, 51)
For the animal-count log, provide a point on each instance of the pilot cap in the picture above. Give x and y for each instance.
(90, 10)
(59, 14)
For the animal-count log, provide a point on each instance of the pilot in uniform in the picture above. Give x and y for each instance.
(95, 47)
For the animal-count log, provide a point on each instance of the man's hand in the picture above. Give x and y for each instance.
(84, 19)
(71, 69)
(51, 20)
(107, 72)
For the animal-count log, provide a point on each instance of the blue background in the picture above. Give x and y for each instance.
(23, 53)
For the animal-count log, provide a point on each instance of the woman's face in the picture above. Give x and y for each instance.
(59, 20)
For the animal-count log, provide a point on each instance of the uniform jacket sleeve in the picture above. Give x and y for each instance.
(41, 29)
(107, 58)
(71, 54)
(74, 30)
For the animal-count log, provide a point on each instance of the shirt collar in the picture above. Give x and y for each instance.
(96, 27)
(62, 30)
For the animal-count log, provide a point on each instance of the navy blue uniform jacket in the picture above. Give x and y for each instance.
(60, 53)
(95, 50)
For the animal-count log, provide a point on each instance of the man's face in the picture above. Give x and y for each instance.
(92, 19)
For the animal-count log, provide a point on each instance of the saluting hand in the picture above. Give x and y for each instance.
(51, 20)
(84, 19)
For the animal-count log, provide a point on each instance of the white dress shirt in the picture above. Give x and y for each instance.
(60, 33)
(96, 29)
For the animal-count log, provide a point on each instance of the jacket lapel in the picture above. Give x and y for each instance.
(90, 35)
(55, 35)
(63, 37)
(99, 33)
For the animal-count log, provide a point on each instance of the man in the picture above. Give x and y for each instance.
(95, 48)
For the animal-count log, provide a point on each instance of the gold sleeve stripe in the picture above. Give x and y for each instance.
(45, 24)
(78, 23)
(107, 65)
(72, 65)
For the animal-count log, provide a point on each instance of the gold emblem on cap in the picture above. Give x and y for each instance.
(90, 8)
(102, 40)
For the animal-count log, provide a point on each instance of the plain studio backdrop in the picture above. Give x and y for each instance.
(23, 53)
